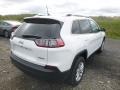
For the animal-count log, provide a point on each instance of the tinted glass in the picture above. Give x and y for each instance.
(5, 24)
(94, 26)
(75, 27)
(46, 30)
(85, 26)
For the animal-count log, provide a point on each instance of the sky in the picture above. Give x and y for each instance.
(61, 7)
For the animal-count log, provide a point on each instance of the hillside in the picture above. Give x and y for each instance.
(111, 24)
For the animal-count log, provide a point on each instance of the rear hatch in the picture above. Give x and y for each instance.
(23, 42)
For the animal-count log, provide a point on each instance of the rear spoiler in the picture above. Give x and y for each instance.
(41, 20)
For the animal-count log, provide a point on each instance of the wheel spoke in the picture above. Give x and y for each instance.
(79, 71)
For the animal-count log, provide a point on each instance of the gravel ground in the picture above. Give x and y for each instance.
(102, 72)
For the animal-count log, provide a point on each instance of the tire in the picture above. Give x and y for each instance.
(101, 49)
(6, 34)
(77, 72)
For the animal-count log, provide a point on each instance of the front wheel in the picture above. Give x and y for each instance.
(77, 72)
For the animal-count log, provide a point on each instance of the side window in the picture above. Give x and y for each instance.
(2, 23)
(94, 26)
(5, 24)
(85, 26)
(75, 27)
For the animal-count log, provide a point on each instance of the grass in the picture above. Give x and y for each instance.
(111, 24)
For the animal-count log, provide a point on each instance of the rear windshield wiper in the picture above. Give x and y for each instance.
(31, 36)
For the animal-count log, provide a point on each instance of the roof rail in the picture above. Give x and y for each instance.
(77, 15)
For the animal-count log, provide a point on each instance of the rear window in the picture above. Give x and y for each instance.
(44, 28)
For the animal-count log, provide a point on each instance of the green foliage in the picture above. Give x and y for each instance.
(111, 24)
(15, 17)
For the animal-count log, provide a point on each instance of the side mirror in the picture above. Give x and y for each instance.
(102, 29)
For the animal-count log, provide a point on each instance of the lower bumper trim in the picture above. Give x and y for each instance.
(37, 70)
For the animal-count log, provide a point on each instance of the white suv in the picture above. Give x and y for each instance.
(56, 46)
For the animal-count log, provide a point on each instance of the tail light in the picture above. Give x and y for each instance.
(50, 43)
(14, 28)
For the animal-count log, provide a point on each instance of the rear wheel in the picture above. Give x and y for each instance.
(6, 34)
(77, 72)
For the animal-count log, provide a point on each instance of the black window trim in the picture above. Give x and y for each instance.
(91, 26)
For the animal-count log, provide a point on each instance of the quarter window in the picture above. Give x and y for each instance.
(75, 27)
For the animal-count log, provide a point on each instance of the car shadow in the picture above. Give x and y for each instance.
(25, 82)
(105, 63)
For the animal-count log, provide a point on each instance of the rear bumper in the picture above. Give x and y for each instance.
(37, 70)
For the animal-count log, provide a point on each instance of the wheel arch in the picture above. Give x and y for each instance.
(104, 38)
(83, 53)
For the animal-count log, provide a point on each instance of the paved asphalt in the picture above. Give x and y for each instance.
(102, 72)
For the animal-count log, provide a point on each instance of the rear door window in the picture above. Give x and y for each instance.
(44, 28)
(85, 26)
